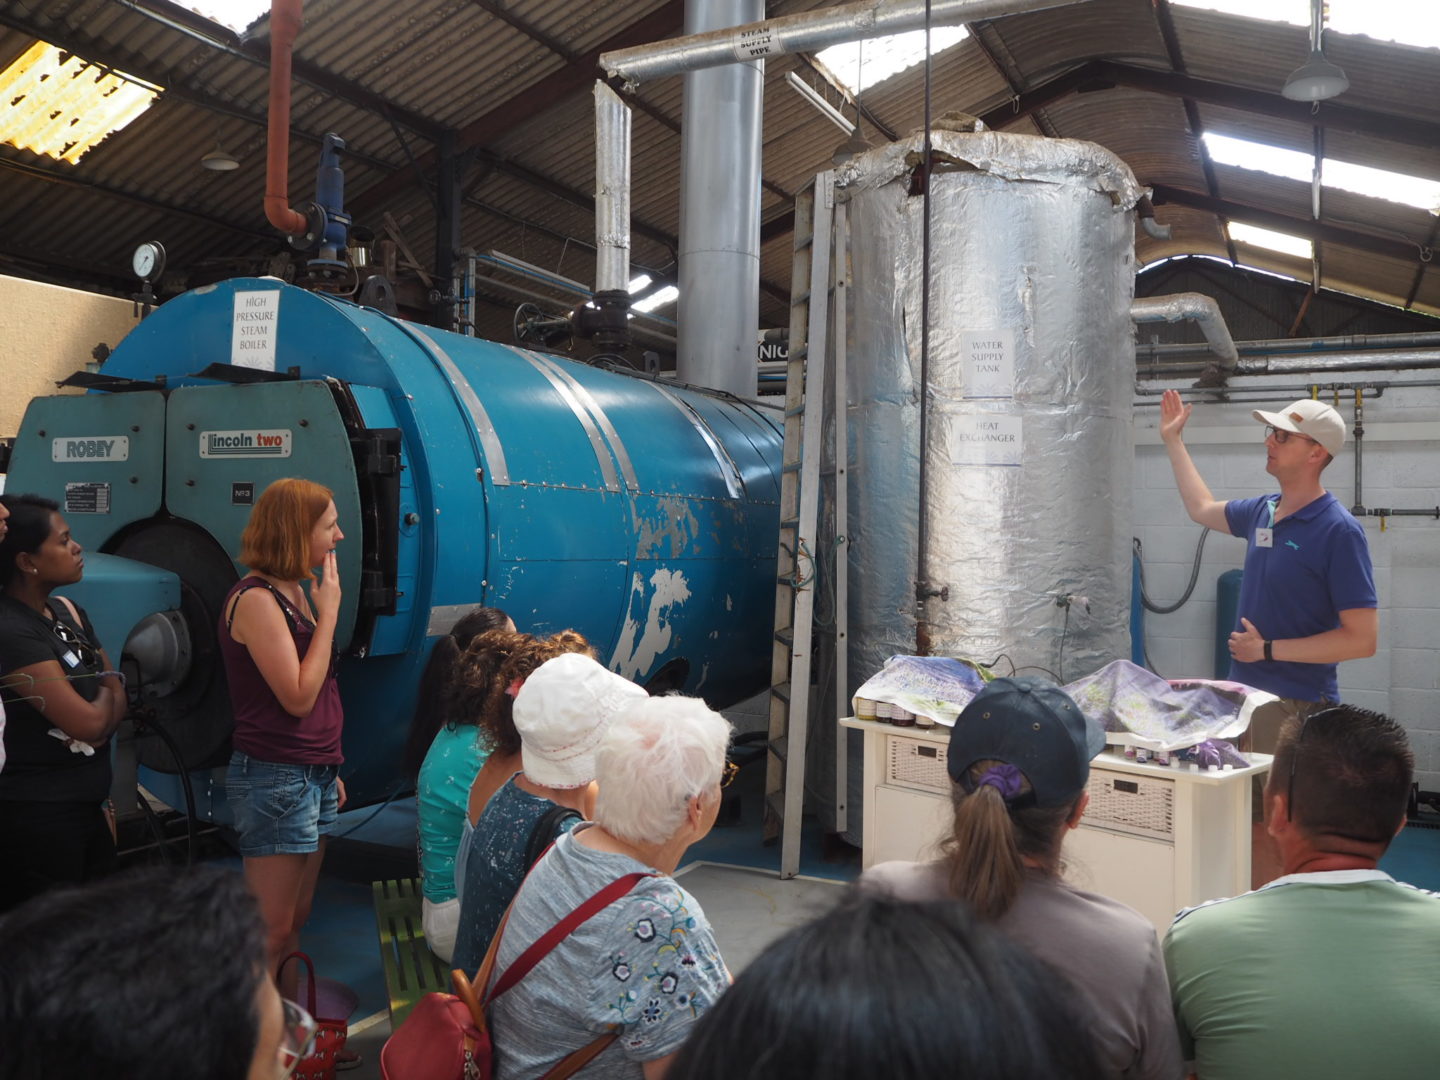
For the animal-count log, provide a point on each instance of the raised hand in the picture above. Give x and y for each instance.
(1173, 414)
(325, 593)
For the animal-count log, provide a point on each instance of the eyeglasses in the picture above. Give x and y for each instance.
(82, 648)
(1295, 756)
(1282, 436)
(298, 1040)
(728, 774)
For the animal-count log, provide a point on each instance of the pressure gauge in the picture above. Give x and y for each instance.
(148, 262)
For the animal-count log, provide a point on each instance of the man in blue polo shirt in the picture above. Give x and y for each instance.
(1307, 600)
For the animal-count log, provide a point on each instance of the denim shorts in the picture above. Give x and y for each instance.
(281, 809)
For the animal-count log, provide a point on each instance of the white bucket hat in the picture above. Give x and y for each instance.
(561, 713)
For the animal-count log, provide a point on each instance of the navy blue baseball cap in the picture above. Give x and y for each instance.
(1033, 725)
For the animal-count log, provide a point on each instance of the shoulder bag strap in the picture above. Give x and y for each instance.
(573, 1063)
(544, 832)
(69, 606)
(560, 931)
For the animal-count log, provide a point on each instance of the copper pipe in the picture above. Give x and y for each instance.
(286, 19)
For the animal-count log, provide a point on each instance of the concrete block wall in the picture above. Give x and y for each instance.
(1400, 468)
(46, 333)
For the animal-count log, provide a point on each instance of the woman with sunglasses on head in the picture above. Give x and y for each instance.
(63, 699)
(279, 648)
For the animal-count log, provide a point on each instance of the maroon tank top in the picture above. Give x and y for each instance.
(263, 729)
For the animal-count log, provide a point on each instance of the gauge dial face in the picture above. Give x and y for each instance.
(148, 260)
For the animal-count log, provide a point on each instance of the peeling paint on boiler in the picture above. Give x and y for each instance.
(638, 648)
(673, 522)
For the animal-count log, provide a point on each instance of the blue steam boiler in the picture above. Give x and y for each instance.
(640, 512)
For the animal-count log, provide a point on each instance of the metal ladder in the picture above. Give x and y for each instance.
(818, 223)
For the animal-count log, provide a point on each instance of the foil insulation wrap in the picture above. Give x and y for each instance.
(1031, 376)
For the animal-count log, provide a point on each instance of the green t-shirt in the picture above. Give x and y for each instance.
(1326, 975)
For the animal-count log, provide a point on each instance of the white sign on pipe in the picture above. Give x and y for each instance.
(752, 44)
(989, 359)
(986, 440)
(254, 330)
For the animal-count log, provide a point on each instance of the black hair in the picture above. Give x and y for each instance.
(1352, 771)
(433, 703)
(884, 987)
(29, 527)
(146, 976)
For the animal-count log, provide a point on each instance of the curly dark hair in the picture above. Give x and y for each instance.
(497, 725)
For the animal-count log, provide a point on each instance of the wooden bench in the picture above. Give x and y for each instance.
(411, 969)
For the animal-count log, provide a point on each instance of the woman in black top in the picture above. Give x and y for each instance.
(62, 702)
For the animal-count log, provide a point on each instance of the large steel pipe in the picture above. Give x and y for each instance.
(1194, 306)
(806, 32)
(719, 310)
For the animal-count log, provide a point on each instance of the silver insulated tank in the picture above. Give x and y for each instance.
(1031, 378)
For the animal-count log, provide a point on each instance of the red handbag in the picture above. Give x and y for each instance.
(330, 1032)
(446, 1037)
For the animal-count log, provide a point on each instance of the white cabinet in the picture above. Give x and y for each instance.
(1155, 837)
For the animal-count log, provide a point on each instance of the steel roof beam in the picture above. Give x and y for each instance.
(550, 90)
(1315, 231)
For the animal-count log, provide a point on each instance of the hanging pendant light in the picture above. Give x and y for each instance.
(1317, 79)
(219, 160)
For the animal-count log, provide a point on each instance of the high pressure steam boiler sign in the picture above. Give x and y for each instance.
(253, 333)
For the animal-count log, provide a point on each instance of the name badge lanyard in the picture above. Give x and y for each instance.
(1266, 537)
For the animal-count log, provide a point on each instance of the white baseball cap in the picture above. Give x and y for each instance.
(1311, 418)
(561, 713)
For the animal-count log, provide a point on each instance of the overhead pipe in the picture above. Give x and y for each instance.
(286, 20)
(1305, 364)
(612, 191)
(1203, 310)
(805, 32)
(1337, 343)
(719, 251)
(1145, 209)
(773, 37)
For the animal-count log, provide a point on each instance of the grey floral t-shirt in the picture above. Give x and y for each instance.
(647, 965)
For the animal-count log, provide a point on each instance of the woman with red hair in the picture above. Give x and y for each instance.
(279, 647)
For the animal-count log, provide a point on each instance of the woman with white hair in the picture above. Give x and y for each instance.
(628, 983)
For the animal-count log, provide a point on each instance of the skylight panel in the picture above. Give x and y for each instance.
(637, 283)
(236, 14)
(1395, 187)
(658, 299)
(1409, 22)
(860, 65)
(60, 105)
(1271, 240)
(1217, 259)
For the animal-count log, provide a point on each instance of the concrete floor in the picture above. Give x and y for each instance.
(748, 908)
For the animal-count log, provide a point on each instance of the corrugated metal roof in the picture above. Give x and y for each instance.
(438, 64)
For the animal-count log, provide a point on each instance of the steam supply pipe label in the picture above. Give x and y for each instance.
(757, 41)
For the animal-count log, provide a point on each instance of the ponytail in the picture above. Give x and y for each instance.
(988, 846)
(985, 865)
